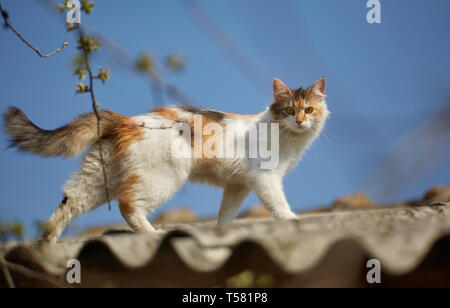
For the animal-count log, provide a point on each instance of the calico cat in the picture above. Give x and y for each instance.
(143, 171)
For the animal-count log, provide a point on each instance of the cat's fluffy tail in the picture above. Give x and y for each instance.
(69, 140)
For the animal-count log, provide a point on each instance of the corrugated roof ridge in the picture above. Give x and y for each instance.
(293, 246)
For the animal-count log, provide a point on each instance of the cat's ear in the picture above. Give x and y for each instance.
(280, 90)
(317, 90)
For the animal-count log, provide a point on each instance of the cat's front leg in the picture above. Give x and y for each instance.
(269, 189)
(233, 196)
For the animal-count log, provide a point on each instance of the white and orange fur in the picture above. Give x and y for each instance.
(143, 173)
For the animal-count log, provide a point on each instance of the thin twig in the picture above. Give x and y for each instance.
(157, 91)
(158, 85)
(123, 59)
(225, 44)
(7, 274)
(411, 157)
(29, 273)
(97, 115)
(8, 25)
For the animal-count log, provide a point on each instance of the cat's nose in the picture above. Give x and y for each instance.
(299, 123)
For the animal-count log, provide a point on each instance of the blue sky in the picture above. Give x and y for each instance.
(383, 81)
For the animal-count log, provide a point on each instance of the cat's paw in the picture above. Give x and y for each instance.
(160, 232)
(294, 218)
(288, 216)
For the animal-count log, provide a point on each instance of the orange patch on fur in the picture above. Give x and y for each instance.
(245, 116)
(200, 134)
(127, 193)
(127, 132)
(318, 109)
(301, 116)
(301, 104)
(167, 113)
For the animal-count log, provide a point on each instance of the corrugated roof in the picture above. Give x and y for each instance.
(315, 251)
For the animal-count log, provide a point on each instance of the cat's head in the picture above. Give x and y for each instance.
(299, 110)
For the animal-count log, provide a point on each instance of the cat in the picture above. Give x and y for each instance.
(143, 171)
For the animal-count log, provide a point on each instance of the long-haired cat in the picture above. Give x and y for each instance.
(143, 171)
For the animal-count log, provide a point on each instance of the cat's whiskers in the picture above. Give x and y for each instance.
(322, 133)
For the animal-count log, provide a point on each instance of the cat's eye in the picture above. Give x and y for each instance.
(290, 111)
(309, 110)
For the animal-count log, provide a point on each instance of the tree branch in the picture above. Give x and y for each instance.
(5, 17)
(225, 44)
(95, 109)
(7, 274)
(7, 266)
